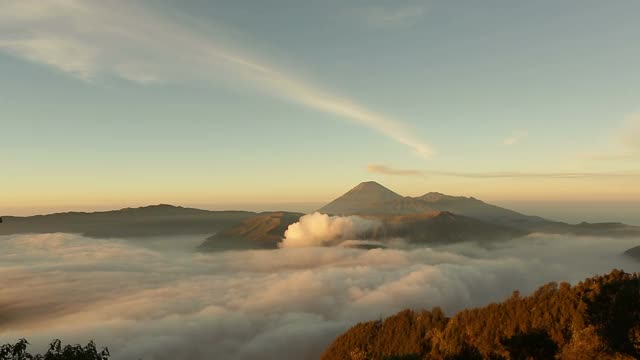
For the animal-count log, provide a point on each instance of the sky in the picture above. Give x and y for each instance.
(288, 104)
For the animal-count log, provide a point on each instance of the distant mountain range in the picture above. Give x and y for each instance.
(428, 219)
(440, 227)
(634, 252)
(372, 199)
(156, 220)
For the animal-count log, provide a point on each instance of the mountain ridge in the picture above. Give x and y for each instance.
(465, 206)
(265, 231)
(367, 199)
(146, 221)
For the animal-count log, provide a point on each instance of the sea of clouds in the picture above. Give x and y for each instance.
(156, 302)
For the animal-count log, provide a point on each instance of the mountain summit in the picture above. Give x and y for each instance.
(365, 196)
(371, 198)
(373, 191)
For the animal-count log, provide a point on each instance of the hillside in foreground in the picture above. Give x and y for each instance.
(599, 318)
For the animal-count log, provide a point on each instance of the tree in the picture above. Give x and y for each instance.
(18, 351)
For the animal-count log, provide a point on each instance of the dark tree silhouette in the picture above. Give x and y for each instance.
(18, 351)
(536, 344)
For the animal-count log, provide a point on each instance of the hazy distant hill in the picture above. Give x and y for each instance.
(597, 319)
(470, 206)
(433, 217)
(154, 220)
(372, 199)
(634, 252)
(263, 231)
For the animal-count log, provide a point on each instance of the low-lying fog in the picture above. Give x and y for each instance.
(154, 303)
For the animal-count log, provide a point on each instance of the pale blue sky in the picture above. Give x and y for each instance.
(247, 102)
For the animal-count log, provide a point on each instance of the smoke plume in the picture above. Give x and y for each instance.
(320, 230)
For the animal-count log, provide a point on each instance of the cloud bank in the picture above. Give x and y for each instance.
(321, 229)
(286, 303)
(93, 39)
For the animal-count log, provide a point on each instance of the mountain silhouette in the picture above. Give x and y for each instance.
(369, 198)
(372, 199)
(431, 218)
(443, 227)
(263, 231)
(154, 220)
(634, 252)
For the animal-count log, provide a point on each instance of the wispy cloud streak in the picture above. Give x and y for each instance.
(625, 143)
(393, 16)
(91, 39)
(386, 170)
(515, 138)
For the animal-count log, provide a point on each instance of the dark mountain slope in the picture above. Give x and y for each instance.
(362, 199)
(373, 199)
(470, 206)
(634, 252)
(443, 227)
(154, 220)
(263, 231)
(597, 319)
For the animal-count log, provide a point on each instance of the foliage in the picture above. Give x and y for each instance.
(598, 318)
(18, 351)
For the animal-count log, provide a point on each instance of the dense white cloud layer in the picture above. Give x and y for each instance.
(267, 304)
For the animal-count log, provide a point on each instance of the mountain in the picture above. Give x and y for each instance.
(366, 198)
(599, 318)
(442, 227)
(470, 206)
(155, 220)
(263, 231)
(634, 252)
(372, 199)
(456, 217)
(614, 229)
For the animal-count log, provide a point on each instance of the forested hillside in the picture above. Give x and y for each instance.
(599, 318)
